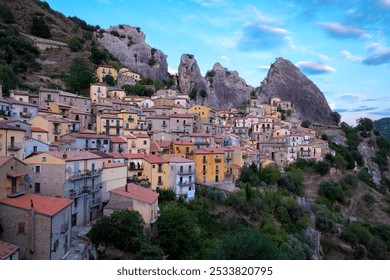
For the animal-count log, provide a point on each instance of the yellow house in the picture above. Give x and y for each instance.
(204, 113)
(104, 70)
(114, 175)
(156, 171)
(55, 126)
(240, 156)
(130, 120)
(20, 95)
(210, 165)
(182, 148)
(116, 93)
(39, 134)
(138, 143)
(12, 172)
(97, 92)
(109, 124)
(128, 73)
(137, 198)
(11, 141)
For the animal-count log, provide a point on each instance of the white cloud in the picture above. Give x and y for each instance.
(350, 57)
(385, 3)
(209, 3)
(263, 67)
(342, 31)
(172, 71)
(315, 68)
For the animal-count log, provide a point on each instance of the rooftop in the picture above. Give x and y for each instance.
(45, 205)
(137, 192)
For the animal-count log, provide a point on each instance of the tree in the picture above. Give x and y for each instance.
(336, 117)
(192, 94)
(178, 233)
(109, 80)
(340, 162)
(39, 27)
(79, 76)
(124, 229)
(306, 123)
(149, 252)
(322, 167)
(76, 44)
(203, 93)
(365, 124)
(270, 175)
(6, 14)
(247, 245)
(97, 56)
(332, 191)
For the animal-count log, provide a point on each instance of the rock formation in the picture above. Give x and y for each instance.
(286, 81)
(224, 89)
(128, 45)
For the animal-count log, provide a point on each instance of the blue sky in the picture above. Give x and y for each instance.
(342, 46)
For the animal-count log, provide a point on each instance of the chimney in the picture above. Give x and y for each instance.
(126, 188)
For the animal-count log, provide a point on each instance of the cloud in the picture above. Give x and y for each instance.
(263, 68)
(354, 97)
(337, 30)
(172, 71)
(378, 55)
(209, 3)
(385, 3)
(255, 37)
(350, 57)
(357, 109)
(314, 68)
(384, 112)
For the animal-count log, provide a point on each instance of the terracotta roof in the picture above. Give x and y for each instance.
(9, 127)
(37, 129)
(177, 159)
(134, 156)
(107, 116)
(182, 142)
(102, 154)
(191, 116)
(139, 135)
(154, 148)
(90, 136)
(158, 117)
(115, 155)
(117, 139)
(4, 159)
(73, 155)
(210, 150)
(53, 119)
(200, 135)
(137, 192)
(154, 159)
(7, 249)
(45, 205)
(113, 165)
(236, 166)
(164, 143)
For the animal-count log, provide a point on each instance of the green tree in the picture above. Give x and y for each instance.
(247, 245)
(365, 124)
(322, 167)
(306, 123)
(98, 56)
(178, 233)
(6, 14)
(332, 191)
(79, 76)
(76, 44)
(138, 90)
(109, 80)
(270, 175)
(149, 252)
(193, 94)
(336, 117)
(340, 162)
(39, 27)
(124, 229)
(203, 93)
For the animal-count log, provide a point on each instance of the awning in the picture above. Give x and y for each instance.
(16, 174)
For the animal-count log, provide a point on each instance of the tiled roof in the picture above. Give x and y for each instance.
(115, 155)
(177, 159)
(182, 142)
(7, 249)
(164, 143)
(154, 148)
(117, 139)
(191, 116)
(9, 127)
(113, 165)
(139, 135)
(73, 155)
(137, 192)
(90, 136)
(210, 150)
(154, 159)
(37, 129)
(4, 159)
(45, 205)
(134, 156)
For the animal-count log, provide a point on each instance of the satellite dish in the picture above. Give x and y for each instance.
(69, 169)
(28, 178)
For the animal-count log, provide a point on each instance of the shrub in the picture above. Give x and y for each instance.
(75, 44)
(332, 191)
(322, 168)
(39, 27)
(306, 123)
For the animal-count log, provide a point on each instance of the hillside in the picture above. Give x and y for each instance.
(383, 126)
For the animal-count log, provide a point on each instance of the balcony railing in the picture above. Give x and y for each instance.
(189, 152)
(134, 168)
(216, 171)
(95, 202)
(185, 183)
(17, 191)
(160, 170)
(85, 174)
(218, 159)
(130, 119)
(186, 171)
(204, 171)
(164, 125)
(15, 147)
(160, 183)
(56, 131)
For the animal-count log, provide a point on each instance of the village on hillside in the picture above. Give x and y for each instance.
(67, 160)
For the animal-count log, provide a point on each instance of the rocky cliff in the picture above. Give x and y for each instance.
(286, 81)
(224, 89)
(128, 44)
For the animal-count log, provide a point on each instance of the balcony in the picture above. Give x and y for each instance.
(204, 160)
(185, 183)
(164, 125)
(216, 171)
(204, 171)
(130, 119)
(48, 99)
(185, 172)
(14, 147)
(160, 183)
(56, 131)
(133, 145)
(5, 113)
(15, 192)
(218, 159)
(189, 152)
(135, 168)
(160, 170)
(25, 115)
(187, 124)
(85, 174)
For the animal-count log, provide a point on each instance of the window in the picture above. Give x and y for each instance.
(189, 179)
(159, 180)
(37, 169)
(74, 219)
(145, 142)
(35, 149)
(21, 228)
(43, 159)
(37, 187)
(56, 244)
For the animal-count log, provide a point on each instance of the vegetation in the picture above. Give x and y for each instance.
(306, 124)
(76, 44)
(383, 127)
(6, 14)
(39, 27)
(109, 80)
(193, 94)
(79, 77)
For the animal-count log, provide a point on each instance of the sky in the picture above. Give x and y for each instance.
(343, 46)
